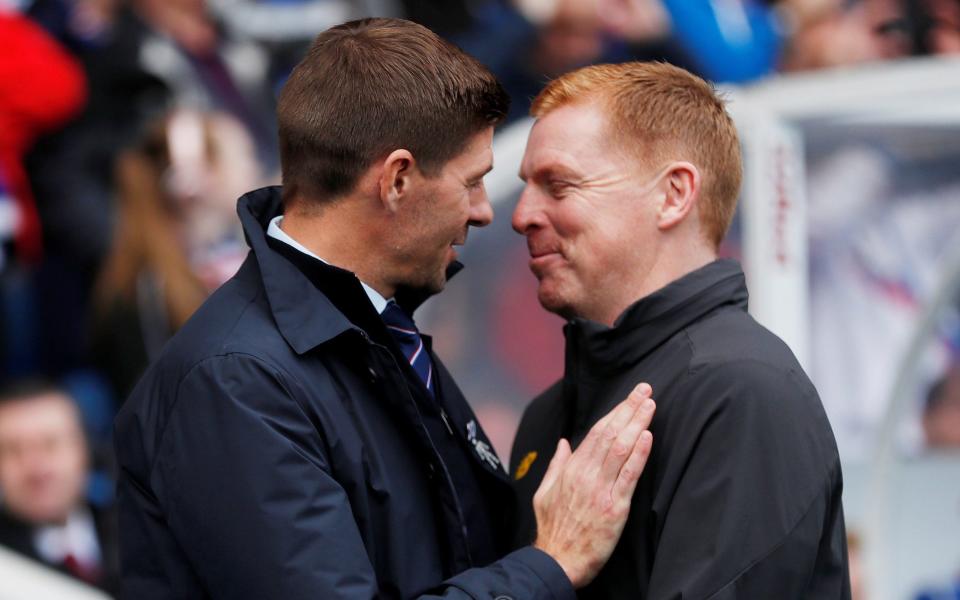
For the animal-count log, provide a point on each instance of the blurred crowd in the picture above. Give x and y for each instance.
(129, 127)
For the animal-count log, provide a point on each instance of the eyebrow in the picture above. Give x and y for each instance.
(483, 174)
(554, 170)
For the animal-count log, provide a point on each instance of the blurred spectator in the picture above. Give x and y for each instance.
(725, 40)
(881, 228)
(535, 41)
(186, 48)
(177, 239)
(721, 40)
(871, 30)
(917, 27)
(941, 415)
(858, 586)
(284, 20)
(144, 57)
(156, 54)
(41, 86)
(43, 470)
(285, 28)
(78, 24)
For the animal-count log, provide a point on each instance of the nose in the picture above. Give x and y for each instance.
(525, 214)
(481, 212)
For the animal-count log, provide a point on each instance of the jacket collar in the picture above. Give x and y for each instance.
(305, 316)
(595, 350)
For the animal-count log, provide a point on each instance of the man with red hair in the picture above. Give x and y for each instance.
(633, 173)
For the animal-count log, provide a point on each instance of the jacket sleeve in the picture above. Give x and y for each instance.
(243, 480)
(756, 509)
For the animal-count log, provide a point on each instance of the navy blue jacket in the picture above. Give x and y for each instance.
(282, 448)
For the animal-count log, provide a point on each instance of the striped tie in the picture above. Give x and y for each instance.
(405, 333)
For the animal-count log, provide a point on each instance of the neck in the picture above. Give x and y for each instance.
(674, 261)
(341, 234)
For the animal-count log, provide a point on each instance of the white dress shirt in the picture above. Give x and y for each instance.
(274, 231)
(77, 537)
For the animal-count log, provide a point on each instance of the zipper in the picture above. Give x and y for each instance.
(446, 421)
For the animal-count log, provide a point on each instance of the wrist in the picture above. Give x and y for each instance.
(576, 580)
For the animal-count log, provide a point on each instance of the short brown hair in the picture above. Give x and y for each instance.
(368, 87)
(662, 112)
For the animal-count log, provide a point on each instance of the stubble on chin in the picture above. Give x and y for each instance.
(552, 299)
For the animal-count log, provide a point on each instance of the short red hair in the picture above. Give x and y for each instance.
(660, 113)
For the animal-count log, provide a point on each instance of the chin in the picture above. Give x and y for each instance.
(428, 284)
(438, 281)
(436, 286)
(553, 301)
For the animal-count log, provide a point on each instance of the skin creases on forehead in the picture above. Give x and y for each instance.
(570, 144)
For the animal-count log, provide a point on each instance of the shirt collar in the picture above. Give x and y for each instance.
(274, 231)
(305, 316)
(77, 537)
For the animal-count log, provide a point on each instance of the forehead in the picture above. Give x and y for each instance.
(572, 137)
(37, 416)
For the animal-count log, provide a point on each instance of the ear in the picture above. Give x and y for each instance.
(681, 188)
(396, 178)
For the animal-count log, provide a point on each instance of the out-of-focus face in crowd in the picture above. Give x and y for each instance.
(941, 419)
(43, 457)
(938, 23)
(871, 30)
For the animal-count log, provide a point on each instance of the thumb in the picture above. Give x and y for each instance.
(560, 457)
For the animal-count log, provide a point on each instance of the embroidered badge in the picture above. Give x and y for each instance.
(524, 465)
(483, 450)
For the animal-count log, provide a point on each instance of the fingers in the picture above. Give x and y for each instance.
(632, 469)
(560, 457)
(622, 448)
(602, 435)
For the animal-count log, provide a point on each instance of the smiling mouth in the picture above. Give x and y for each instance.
(540, 262)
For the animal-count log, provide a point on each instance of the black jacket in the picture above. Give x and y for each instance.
(282, 448)
(741, 495)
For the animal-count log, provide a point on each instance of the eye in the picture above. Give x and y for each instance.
(557, 189)
(475, 185)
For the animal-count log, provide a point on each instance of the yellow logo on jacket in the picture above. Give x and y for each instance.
(524, 465)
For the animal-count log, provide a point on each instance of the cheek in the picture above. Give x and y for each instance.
(8, 474)
(605, 252)
(448, 218)
(569, 222)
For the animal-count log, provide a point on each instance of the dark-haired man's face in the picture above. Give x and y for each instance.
(438, 217)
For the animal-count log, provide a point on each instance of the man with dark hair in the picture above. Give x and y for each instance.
(44, 462)
(633, 173)
(298, 438)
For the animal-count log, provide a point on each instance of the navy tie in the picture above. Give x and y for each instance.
(404, 331)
